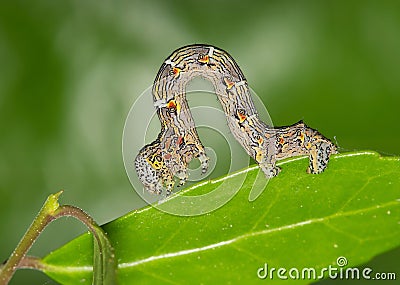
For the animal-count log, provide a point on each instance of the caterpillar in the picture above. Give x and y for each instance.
(178, 142)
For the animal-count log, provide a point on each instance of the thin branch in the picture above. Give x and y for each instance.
(44, 217)
(104, 262)
(31, 262)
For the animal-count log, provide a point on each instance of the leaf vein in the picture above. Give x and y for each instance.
(253, 234)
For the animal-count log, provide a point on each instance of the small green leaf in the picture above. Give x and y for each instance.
(300, 220)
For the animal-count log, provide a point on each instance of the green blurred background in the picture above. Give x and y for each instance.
(70, 70)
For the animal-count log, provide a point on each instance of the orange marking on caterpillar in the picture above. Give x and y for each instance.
(205, 59)
(176, 71)
(242, 117)
(229, 84)
(180, 140)
(171, 104)
(301, 138)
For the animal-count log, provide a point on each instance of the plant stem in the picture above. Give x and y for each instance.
(44, 217)
(31, 262)
(79, 214)
(104, 262)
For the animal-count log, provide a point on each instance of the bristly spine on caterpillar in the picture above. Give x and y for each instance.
(178, 142)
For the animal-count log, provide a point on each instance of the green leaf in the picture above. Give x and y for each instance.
(104, 260)
(300, 220)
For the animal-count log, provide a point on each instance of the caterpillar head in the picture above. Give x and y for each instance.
(152, 170)
(148, 175)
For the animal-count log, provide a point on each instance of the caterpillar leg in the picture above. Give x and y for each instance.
(169, 156)
(185, 155)
(299, 139)
(193, 148)
(264, 153)
(319, 156)
(270, 170)
(203, 161)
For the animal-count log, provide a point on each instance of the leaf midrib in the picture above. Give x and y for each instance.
(125, 265)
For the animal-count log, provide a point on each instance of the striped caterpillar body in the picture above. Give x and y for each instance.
(178, 142)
